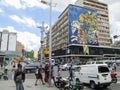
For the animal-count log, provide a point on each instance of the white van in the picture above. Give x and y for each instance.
(94, 74)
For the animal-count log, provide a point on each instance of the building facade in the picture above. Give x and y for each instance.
(81, 31)
(8, 41)
(19, 46)
(102, 19)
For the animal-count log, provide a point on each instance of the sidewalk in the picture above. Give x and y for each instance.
(28, 85)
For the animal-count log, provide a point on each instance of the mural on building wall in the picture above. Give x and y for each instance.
(82, 26)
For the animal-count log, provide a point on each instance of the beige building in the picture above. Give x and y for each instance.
(60, 31)
(35, 54)
(102, 19)
(19, 46)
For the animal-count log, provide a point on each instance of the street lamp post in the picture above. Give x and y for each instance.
(50, 49)
(66, 49)
(42, 29)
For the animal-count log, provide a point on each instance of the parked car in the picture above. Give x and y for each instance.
(75, 62)
(95, 62)
(65, 66)
(30, 68)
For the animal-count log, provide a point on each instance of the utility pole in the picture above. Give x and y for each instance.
(50, 39)
(42, 29)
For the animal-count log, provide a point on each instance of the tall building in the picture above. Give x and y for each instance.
(82, 32)
(102, 19)
(8, 41)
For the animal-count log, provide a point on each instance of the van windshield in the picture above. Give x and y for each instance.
(103, 69)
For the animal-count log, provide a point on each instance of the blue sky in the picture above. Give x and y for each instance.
(23, 17)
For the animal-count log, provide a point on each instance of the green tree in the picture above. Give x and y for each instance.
(30, 54)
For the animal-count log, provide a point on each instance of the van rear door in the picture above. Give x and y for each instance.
(103, 74)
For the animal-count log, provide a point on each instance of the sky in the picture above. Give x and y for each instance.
(24, 16)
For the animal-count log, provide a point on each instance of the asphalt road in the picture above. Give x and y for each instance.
(65, 74)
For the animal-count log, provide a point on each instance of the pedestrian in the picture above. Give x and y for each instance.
(37, 76)
(1, 65)
(40, 74)
(13, 71)
(53, 74)
(46, 77)
(115, 66)
(19, 78)
(70, 72)
(59, 73)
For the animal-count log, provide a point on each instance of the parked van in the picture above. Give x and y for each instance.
(94, 75)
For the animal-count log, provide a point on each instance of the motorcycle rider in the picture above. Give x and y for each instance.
(113, 72)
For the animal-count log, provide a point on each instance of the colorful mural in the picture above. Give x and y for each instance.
(82, 26)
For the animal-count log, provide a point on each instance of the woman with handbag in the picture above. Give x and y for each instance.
(19, 78)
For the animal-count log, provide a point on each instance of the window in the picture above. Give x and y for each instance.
(103, 69)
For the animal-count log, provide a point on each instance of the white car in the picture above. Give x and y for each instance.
(95, 62)
(65, 66)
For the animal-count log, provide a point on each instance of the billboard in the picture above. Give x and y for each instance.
(82, 26)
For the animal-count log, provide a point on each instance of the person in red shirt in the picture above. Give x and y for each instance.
(112, 72)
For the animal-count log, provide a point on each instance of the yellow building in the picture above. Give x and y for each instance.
(35, 54)
(19, 46)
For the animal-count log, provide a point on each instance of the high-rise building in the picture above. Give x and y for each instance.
(102, 19)
(82, 32)
(8, 41)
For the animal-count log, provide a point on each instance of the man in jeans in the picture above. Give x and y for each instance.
(19, 78)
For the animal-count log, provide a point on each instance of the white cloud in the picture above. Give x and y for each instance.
(24, 20)
(29, 40)
(15, 3)
(1, 10)
(22, 4)
(109, 1)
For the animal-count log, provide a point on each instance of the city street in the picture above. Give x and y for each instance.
(30, 80)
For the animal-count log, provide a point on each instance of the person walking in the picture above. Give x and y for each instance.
(70, 72)
(19, 78)
(37, 75)
(46, 77)
(53, 74)
(115, 66)
(13, 71)
(1, 66)
(58, 73)
(40, 74)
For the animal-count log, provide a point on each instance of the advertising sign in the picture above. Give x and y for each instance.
(82, 26)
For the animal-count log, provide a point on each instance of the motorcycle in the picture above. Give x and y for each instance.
(4, 76)
(74, 85)
(114, 78)
(61, 82)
